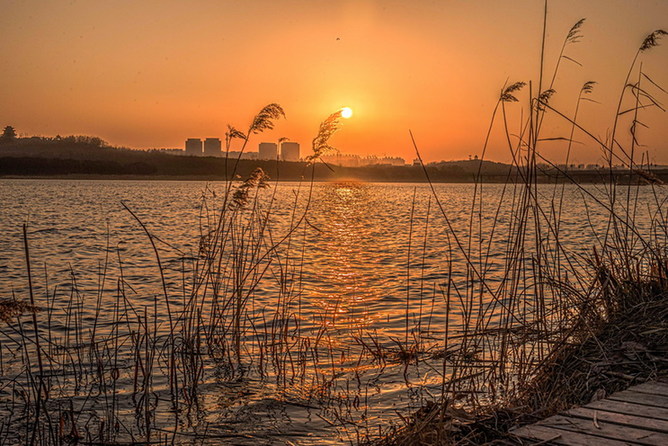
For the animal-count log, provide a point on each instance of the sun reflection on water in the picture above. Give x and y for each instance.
(347, 269)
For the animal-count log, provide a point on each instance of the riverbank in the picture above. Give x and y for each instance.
(213, 169)
(612, 343)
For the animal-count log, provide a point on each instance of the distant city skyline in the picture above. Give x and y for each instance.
(289, 150)
(285, 151)
(152, 73)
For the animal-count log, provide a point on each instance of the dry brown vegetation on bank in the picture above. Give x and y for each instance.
(572, 327)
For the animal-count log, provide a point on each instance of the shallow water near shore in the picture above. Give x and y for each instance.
(367, 263)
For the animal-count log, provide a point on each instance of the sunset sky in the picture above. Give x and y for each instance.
(147, 74)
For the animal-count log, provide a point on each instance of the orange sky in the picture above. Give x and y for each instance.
(152, 73)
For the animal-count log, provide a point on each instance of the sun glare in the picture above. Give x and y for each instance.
(346, 112)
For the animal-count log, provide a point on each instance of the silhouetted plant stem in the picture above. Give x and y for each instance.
(40, 386)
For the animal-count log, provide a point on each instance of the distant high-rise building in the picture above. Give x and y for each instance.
(290, 151)
(268, 151)
(212, 147)
(194, 146)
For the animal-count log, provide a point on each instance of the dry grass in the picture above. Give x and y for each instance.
(12, 308)
(616, 342)
(559, 329)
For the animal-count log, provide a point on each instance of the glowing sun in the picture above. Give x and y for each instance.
(346, 112)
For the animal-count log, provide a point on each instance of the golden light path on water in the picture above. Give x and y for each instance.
(337, 352)
(344, 250)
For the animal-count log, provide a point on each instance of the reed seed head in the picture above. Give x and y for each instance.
(652, 40)
(264, 120)
(10, 308)
(574, 35)
(327, 128)
(588, 87)
(544, 98)
(546, 95)
(258, 179)
(507, 94)
(233, 133)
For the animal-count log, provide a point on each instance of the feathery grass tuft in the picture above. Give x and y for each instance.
(574, 35)
(264, 120)
(327, 128)
(652, 40)
(232, 133)
(507, 94)
(545, 96)
(588, 87)
(10, 308)
(256, 180)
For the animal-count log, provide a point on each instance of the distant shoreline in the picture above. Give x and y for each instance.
(493, 180)
(221, 179)
(89, 159)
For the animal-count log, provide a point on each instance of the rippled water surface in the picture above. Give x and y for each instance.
(360, 258)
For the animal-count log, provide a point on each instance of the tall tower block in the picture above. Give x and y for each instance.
(212, 147)
(194, 146)
(290, 151)
(268, 151)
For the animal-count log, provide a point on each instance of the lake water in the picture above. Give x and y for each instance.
(355, 261)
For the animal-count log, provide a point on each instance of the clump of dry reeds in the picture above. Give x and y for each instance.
(619, 344)
(12, 308)
(151, 360)
(618, 340)
(558, 328)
